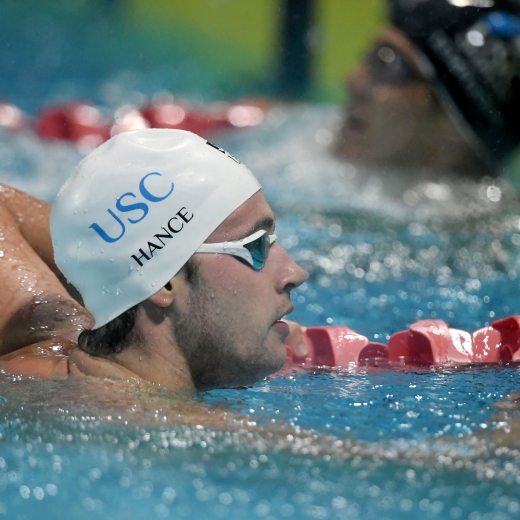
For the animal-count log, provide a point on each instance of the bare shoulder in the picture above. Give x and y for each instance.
(43, 359)
(35, 306)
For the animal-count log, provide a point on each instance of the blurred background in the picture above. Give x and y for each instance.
(112, 51)
(382, 247)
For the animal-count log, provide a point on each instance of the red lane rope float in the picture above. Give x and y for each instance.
(433, 342)
(426, 342)
(80, 123)
(85, 125)
(336, 346)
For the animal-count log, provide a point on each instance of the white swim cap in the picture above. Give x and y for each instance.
(136, 209)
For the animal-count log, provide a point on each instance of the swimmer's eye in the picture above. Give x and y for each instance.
(259, 249)
(254, 249)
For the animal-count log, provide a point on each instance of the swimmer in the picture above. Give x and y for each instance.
(170, 243)
(439, 90)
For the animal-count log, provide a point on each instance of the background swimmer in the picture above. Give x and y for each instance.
(215, 320)
(438, 91)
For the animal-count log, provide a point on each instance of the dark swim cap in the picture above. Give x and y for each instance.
(474, 48)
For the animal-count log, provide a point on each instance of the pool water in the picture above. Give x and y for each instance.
(382, 250)
(419, 455)
(424, 442)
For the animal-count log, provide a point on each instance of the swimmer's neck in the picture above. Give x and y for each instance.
(156, 359)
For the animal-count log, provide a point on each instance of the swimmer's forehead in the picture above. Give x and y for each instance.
(251, 216)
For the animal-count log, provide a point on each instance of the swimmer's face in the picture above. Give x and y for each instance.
(227, 322)
(393, 118)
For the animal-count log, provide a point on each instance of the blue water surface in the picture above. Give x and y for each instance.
(381, 250)
(94, 470)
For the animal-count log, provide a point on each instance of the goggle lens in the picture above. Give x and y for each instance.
(258, 249)
(252, 250)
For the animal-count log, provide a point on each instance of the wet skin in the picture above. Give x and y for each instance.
(402, 124)
(36, 311)
(222, 330)
(243, 306)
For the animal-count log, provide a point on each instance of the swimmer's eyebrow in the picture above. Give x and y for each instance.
(267, 223)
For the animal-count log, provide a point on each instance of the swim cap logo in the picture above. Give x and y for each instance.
(174, 225)
(123, 205)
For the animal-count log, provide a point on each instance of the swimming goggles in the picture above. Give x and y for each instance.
(253, 249)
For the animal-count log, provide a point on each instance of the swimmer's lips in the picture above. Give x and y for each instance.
(282, 328)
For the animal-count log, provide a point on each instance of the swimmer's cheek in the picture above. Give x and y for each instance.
(44, 359)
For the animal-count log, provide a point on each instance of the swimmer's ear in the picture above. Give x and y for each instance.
(165, 296)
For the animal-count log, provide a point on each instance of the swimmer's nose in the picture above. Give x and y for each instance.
(291, 275)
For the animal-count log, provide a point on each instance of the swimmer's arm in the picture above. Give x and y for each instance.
(60, 357)
(32, 217)
(35, 305)
(44, 359)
